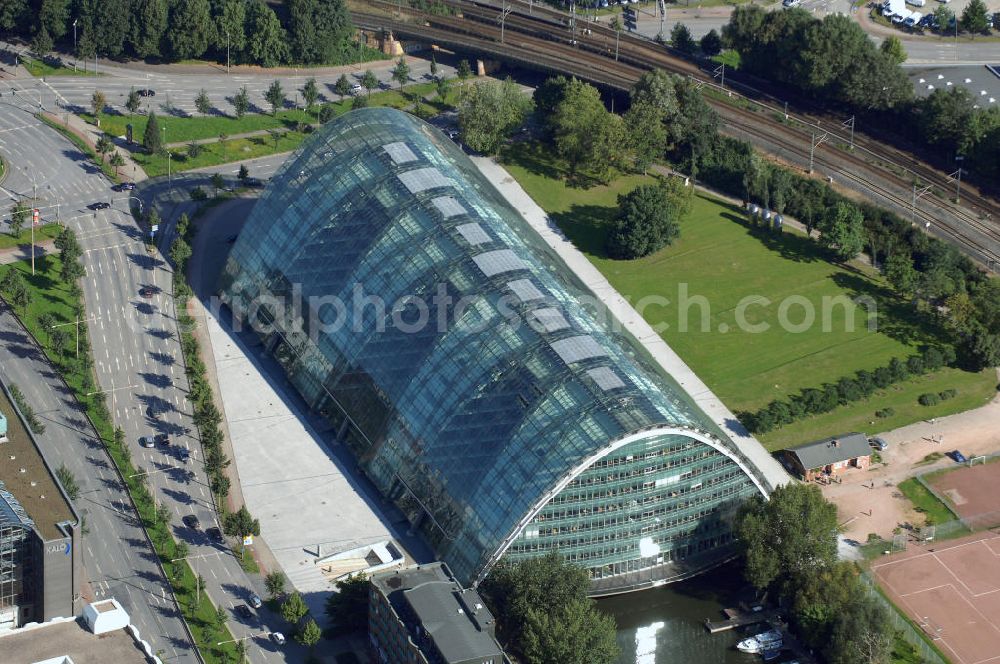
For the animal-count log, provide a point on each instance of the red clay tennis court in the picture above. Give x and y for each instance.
(952, 591)
(972, 493)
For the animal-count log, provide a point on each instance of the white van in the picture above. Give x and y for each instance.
(916, 3)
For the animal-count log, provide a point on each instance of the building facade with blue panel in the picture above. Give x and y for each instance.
(480, 385)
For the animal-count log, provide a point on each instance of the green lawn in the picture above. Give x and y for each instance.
(722, 262)
(42, 69)
(44, 232)
(183, 130)
(925, 501)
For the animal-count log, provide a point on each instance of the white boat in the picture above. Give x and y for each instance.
(755, 645)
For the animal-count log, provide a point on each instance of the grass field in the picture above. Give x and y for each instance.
(723, 262)
(926, 502)
(42, 233)
(186, 129)
(42, 69)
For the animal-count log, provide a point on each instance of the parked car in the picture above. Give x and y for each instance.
(146, 92)
(147, 441)
(215, 534)
(192, 522)
(243, 611)
(879, 443)
(788, 4)
(278, 638)
(254, 182)
(124, 186)
(356, 89)
(255, 601)
(957, 456)
(184, 454)
(147, 292)
(99, 205)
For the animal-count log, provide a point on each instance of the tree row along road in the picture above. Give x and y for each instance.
(592, 59)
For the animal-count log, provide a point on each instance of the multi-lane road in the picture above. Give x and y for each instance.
(117, 556)
(138, 364)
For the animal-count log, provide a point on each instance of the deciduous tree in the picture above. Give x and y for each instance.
(97, 103)
(267, 44)
(293, 608)
(346, 608)
(892, 48)
(843, 231)
(681, 39)
(401, 72)
(148, 25)
(275, 96)
(191, 29)
(310, 93)
(202, 103)
(794, 533)
(489, 112)
(342, 86)
(711, 43)
(975, 17)
(368, 81)
(645, 223)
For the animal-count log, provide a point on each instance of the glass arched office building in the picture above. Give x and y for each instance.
(494, 402)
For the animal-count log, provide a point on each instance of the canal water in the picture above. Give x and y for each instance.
(666, 625)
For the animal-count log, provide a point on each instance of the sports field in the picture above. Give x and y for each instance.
(952, 592)
(720, 263)
(971, 492)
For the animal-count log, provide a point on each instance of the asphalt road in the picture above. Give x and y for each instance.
(137, 361)
(117, 557)
(175, 93)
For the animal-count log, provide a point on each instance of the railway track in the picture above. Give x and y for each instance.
(543, 40)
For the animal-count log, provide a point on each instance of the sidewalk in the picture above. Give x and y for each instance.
(90, 134)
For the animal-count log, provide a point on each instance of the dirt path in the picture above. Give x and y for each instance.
(869, 502)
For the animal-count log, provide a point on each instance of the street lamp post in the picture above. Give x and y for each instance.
(75, 55)
(77, 324)
(113, 388)
(197, 577)
(227, 52)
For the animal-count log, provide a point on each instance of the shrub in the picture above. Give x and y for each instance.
(915, 365)
(928, 399)
(933, 359)
(950, 393)
(885, 412)
(198, 194)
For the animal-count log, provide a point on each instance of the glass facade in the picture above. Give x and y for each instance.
(479, 384)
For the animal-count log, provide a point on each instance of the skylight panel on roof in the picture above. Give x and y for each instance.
(575, 349)
(448, 206)
(400, 152)
(473, 233)
(549, 319)
(605, 378)
(525, 290)
(423, 178)
(497, 262)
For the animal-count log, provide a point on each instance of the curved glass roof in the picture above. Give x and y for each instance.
(493, 374)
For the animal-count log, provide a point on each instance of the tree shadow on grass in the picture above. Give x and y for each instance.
(587, 227)
(896, 319)
(790, 246)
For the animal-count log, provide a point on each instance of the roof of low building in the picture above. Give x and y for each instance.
(68, 639)
(454, 619)
(831, 450)
(28, 479)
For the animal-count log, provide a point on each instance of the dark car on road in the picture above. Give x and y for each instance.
(99, 205)
(215, 534)
(243, 611)
(192, 522)
(146, 92)
(255, 601)
(254, 182)
(147, 441)
(957, 456)
(148, 291)
(124, 186)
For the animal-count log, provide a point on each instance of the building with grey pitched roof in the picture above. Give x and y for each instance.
(831, 456)
(422, 615)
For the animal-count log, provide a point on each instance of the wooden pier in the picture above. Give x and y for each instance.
(736, 618)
